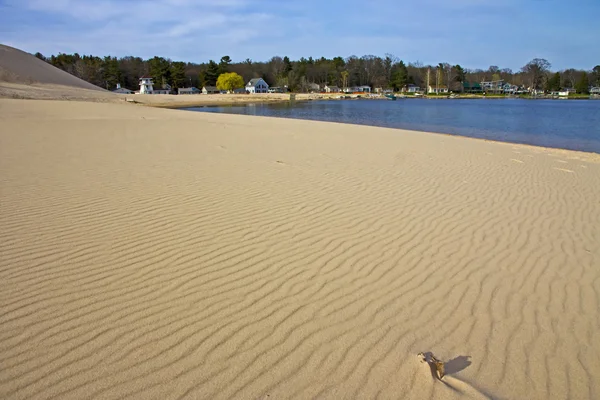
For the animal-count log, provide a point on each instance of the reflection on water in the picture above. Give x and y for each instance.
(569, 124)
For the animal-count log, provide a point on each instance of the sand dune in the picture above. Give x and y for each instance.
(161, 254)
(17, 66)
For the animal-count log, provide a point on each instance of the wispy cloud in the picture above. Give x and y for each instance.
(476, 33)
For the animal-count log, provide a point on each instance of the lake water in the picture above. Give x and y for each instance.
(567, 124)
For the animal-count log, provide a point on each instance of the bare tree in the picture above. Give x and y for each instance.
(536, 70)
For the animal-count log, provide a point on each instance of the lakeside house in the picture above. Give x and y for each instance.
(190, 90)
(595, 90)
(166, 89)
(210, 90)
(411, 88)
(146, 85)
(257, 85)
(437, 89)
(472, 87)
(331, 89)
(357, 89)
(121, 90)
(313, 87)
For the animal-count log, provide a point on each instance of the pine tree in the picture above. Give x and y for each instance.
(287, 66)
(582, 85)
(178, 74)
(211, 74)
(553, 83)
(224, 64)
(399, 76)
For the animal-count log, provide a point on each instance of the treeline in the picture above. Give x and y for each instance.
(298, 75)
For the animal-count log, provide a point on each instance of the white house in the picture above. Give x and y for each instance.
(331, 89)
(412, 89)
(190, 90)
(121, 90)
(257, 85)
(146, 85)
(595, 90)
(364, 89)
(210, 90)
(437, 89)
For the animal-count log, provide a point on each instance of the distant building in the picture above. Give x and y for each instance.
(146, 85)
(314, 87)
(358, 89)
(437, 89)
(472, 87)
(121, 90)
(595, 90)
(257, 85)
(240, 91)
(412, 89)
(166, 89)
(276, 89)
(332, 89)
(190, 90)
(210, 90)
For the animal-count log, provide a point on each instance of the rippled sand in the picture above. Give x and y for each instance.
(160, 254)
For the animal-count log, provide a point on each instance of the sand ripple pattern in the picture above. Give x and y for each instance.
(161, 255)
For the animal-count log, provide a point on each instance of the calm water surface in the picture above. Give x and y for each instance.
(568, 124)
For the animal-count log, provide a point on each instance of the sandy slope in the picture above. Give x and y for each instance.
(148, 253)
(17, 66)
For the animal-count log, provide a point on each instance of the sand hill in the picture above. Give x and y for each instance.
(23, 76)
(17, 66)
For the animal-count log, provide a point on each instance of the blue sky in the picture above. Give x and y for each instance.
(474, 33)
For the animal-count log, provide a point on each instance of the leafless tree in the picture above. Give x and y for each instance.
(536, 70)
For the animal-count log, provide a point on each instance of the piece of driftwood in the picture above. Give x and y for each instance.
(435, 364)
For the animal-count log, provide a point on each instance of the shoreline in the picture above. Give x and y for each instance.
(594, 155)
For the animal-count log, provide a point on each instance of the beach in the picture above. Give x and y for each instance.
(164, 254)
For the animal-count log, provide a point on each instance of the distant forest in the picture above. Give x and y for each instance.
(384, 72)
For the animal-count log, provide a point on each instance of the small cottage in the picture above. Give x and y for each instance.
(257, 85)
(437, 89)
(210, 90)
(190, 90)
(121, 90)
(332, 89)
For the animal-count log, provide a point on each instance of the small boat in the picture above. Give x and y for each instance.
(390, 96)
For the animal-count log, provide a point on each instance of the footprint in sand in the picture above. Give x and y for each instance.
(564, 170)
(583, 166)
(517, 161)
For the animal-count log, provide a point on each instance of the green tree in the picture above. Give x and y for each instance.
(287, 66)
(111, 72)
(596, 80)
(460, 76)
(160, 70)
(178, 74)
(553, 83)
(582, 85)
(224, 64)
(230, 81)
(211, 74)
(399, 76)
